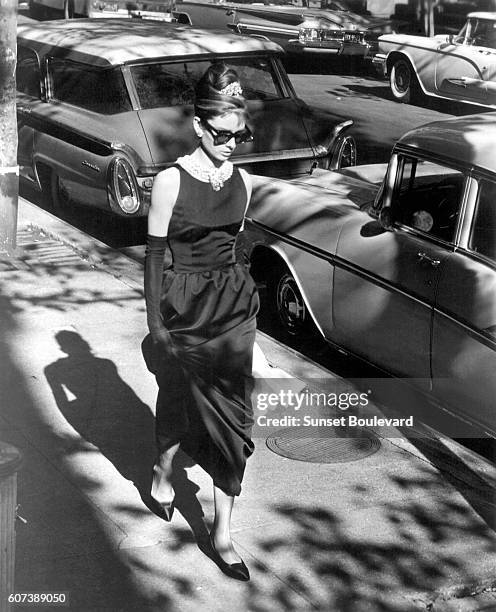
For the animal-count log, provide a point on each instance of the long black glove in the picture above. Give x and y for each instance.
(154, 269)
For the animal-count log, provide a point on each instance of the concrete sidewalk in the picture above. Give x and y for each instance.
(409, 527)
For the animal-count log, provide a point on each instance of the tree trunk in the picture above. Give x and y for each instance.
(9, 174)
(427, 12)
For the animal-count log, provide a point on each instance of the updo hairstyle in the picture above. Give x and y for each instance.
(209, 102)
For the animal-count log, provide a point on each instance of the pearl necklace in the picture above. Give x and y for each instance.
(215, 176)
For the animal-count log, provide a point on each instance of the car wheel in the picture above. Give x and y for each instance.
(402, 81)
(288, 305)
(345, 154)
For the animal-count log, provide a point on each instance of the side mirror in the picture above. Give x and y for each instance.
(386, 218)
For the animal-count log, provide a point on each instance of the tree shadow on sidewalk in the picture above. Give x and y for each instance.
(404, 562)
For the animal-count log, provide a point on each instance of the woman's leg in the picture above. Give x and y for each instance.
(162, 490)
(221, 530)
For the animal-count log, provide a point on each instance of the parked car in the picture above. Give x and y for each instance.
(401, 274)
(332, 29)
(103, 105)
(461, 67)
(298, 29)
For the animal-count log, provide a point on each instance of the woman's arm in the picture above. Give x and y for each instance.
(164, 195)
(248, 184)
(241, 256)
(163, 198)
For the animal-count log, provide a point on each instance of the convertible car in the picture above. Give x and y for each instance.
(103, 105)
(401, 273)
(461, 67)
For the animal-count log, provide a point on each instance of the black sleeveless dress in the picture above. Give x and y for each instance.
(209, 304)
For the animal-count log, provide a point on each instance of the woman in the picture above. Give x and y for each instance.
(201, 313)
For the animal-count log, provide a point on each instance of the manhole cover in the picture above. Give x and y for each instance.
(294, 443)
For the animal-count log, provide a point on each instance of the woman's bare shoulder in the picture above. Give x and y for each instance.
(164, 195)
(167, 178)
(166, 187)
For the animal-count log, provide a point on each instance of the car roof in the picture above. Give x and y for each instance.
(466, 140)
(105, 42)
(482, 15)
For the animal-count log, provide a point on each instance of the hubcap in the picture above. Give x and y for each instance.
(402, 77)
(290, 305)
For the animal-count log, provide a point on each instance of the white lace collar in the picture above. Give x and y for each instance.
(207, 174)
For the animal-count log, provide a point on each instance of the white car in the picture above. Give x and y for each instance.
(461, 67)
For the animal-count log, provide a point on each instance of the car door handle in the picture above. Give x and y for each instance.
(24, 109)
(460, 82)
(423, 257)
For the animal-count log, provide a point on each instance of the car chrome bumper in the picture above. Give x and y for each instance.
(95, 13)
(379, 63)
(330, 48)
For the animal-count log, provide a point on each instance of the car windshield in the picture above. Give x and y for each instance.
(173, 83)
(479, 32)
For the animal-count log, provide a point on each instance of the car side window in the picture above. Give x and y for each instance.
(98, 90)
(258, 79)
(427, 197)
(159, 85)
(173, 84)
(483, 234)
(28, 76)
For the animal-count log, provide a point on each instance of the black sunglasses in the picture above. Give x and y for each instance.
(221, 137)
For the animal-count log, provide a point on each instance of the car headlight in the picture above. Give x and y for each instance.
(306, 34)
(123, 186)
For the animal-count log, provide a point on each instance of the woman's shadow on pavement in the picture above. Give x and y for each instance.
(106, 412)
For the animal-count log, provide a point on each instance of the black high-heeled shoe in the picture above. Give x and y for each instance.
(238, 571)
(163, 510)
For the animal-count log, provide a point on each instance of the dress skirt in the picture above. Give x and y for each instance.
(205, 383)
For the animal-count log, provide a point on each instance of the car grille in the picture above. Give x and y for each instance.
(325, 35)
(355, 37)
